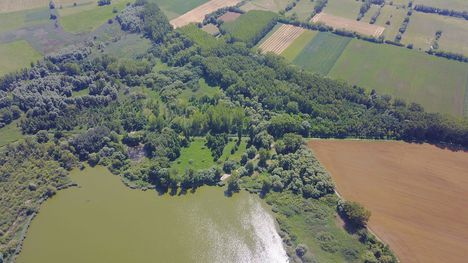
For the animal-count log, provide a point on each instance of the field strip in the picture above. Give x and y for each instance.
(281, 39)
(348, 24)
(197, 14)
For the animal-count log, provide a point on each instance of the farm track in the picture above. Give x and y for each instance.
(281, 39)
(417, 194)
(348, 24)
(197, 14)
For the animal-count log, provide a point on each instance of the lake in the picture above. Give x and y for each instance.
(105, 221)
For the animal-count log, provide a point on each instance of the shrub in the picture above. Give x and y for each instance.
(354, 213)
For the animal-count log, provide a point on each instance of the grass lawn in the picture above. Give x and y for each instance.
(89, 17)
(204, 90)
(17, 20)
(303, 10)
(395, 16)
(344, 8)
(175, 8)
(459, 5)
(10, 133)
(17, 55)
(249, 25)
(198, 157)
(199, 36)
(321, 53)
(422, 28)
(298, 45)
(438, 84)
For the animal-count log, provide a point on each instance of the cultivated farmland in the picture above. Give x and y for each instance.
(265, 5)
(391, 18)
(249, 26)
(343, 8)
(175, 8)
(417, 194)
(303, 10)
(436, 83)
(198, 14)
(16, 55)
(18, 5)
(348, 24)
(281, 39)
(298, 45)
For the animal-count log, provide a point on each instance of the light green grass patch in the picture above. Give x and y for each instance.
(422, 28)
(459, 5)
(203, 90)
(129, 46)
(197, 156)
(320, 54)
(372, 10)
(17, 55)
(89, 19)
(394, 16)
(436, 83)
(249, 25)
(20, 19)
(303, 10)
(10, 133)
(298, 45)
(175, 8)
(236, 156)
(266, 5)
(199, 36)
(344, 8)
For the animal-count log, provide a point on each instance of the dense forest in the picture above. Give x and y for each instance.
(135, 105)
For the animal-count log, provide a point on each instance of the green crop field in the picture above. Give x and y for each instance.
(392, 15)
(88, 18)
(266, 5)
(16, 55)
(344, 8)
(199, 36)
(422, 28)
(459, 5)
(175, 8)
(321, 53)
(298, 45)
(249, 25)
(436, 83)
(17, 20)
(303, 10)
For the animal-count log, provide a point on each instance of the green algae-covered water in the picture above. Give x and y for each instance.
(104, 221)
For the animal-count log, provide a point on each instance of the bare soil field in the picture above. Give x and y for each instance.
(18, 5)
(417, 193)
(348, 24)
(281, 39)
(229, 16)
(197, 15)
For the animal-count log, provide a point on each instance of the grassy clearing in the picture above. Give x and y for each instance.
(17, 20)
(303, 10)
(10, 133)
(460, 5)
(175, 8)
(17, 55)
(249, 25)
(88, 18)
(199, 36)
(203, 90)
(394, 16)
(422, 28)
(266, 5)
(129, 46)
(198, 157)
(344, 8)
(436, 83)
(320, 54)
(298, 45)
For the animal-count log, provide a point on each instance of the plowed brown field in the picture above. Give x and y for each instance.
(418, 194)
(281, 39)
(348, 24)
(197, 15)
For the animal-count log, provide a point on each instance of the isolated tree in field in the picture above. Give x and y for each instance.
(355, 213)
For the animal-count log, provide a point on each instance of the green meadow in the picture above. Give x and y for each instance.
(16, 20)
(17, 55)
(10, 133)
(298, 45)
(248, 25)
(175, 8)
(344, 8)
(199, 36)
(321, 53)
(436, 83)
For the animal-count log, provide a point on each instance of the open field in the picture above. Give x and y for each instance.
(417, 194)
(266, 5)
(438, 84)
(422, 28)
(343, 8)
(281, 39)
(198, 14)
(298, 45)
(87, 20)
(199, 36)
(16, 20)
(459, 5)
(249, 25)
(175, 8)
(394, 16)
(303, 10)
(19, 5)
(16, 55)
(322, 52)
(348, 24)
(10, 133)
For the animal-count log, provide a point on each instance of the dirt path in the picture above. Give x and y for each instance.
(418, 194)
